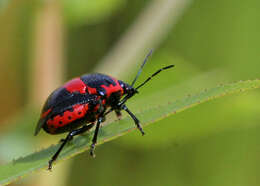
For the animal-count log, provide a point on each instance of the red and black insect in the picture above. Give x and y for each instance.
(85, 101)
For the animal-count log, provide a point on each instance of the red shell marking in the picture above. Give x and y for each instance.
(111, 88)
(91, 90)
(58, 121)
(45, 113)
(76, 85)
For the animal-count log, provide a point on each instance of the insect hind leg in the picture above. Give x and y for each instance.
(88, 127)
(66, 140)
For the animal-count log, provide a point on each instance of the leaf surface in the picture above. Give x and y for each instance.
(160, 109)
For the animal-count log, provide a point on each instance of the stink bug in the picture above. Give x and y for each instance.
(84, 102)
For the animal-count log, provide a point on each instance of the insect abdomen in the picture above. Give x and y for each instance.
(68, 119)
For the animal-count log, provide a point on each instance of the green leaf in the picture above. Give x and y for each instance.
(157, 110)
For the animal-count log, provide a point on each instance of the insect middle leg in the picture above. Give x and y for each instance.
(118, 114)
(94, 140)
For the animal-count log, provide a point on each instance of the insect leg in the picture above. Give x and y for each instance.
(88, 127)
(118, 114)
(137, 122)
(68, 138)
(94, 140)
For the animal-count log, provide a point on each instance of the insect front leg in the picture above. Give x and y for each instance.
(137, 122)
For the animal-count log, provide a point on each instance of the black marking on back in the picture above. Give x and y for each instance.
(96, 80)
(68, 104)
(56, 97)
(60, 101)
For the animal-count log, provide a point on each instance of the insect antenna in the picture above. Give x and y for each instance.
(141, 68)
(132, 84)
(148, 79)
(154, 74)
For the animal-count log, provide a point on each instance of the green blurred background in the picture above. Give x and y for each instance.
(44, 43)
